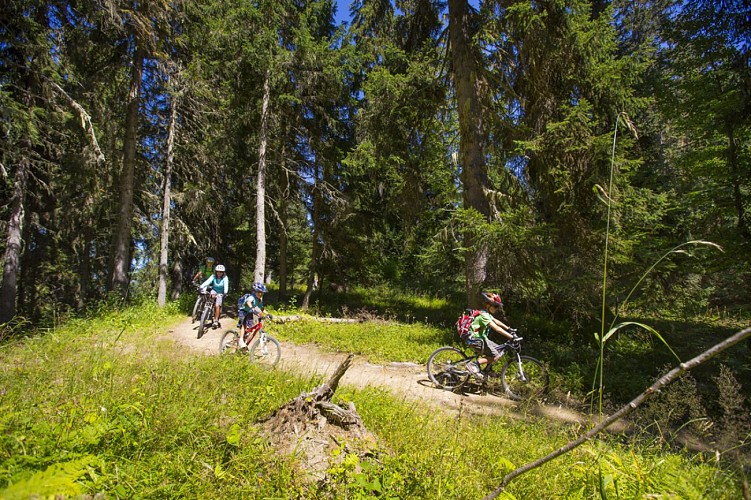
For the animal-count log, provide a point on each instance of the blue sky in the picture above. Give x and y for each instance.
(342, 11)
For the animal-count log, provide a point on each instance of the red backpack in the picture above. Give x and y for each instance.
(464, 323)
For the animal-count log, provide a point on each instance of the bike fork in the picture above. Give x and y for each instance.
(520, 374)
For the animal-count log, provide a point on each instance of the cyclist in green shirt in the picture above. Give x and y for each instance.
(204, 270)
(481, 326)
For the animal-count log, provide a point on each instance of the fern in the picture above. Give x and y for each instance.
(58, 480)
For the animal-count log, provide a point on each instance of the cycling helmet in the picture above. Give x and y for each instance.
(210, 259)
(492, 298)
(259, 287)
(219, 268)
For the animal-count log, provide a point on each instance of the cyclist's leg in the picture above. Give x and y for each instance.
(247, 325)
(218, 306)
(477, 345)
(493, 351)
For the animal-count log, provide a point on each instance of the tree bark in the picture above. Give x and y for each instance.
(12, 266)
(317, 248)
(177, 275)
(736, 181)
(283, 239)
(162, 293)
(122, 238)
(260, 270)
(470, 87)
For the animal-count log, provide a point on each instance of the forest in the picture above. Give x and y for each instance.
(552, 151)
(588, 160)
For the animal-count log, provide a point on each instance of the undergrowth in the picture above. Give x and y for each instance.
(110, 406)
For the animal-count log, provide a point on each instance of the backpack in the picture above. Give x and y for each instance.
(242, 300)
(464, 323)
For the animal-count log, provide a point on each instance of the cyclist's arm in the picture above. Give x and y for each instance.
(206, 283)
(226, 285)
(499, 327)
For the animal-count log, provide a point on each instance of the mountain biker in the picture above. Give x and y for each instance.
(251, 307)
(219, 284)
(204, 270)
(482, 325)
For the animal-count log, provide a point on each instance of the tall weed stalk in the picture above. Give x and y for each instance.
(603, 336)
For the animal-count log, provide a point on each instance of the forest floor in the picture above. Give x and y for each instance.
(406, 380)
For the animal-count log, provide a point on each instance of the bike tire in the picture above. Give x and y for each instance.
(268, 357)
(447, 368)
(197, 308)
(228, 342)
(206, 317)
(534, 383)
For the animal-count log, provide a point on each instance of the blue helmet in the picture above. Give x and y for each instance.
(259, 287)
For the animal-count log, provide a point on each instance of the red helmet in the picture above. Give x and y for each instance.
(492, 299)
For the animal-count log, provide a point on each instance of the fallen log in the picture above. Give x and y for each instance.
(297, 317)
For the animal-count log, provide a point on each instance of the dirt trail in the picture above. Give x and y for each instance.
(408, 380)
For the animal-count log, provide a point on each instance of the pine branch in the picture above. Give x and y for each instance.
(667, 379)
(86, 124)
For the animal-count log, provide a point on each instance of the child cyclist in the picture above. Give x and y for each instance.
(251, 307)
(478, 336)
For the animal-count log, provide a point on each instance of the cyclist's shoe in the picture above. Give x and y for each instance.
(474, 369)
(241, 343)
(216, 324)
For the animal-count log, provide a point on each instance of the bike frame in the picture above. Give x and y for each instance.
(253, 330)
(506, 349)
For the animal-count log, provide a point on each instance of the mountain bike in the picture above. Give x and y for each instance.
(261, 348)
(207, 313)
(521, 378)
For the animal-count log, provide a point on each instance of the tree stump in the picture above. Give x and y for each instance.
(311, 427)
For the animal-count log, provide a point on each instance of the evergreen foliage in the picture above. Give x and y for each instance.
(367, 181)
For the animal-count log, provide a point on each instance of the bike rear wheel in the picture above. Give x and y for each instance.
(266, 353)
(447, 368)
(229, 342)
(524, 378)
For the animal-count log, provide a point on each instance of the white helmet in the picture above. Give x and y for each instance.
(219, 268)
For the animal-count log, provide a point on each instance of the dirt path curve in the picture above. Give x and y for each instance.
(408, 380)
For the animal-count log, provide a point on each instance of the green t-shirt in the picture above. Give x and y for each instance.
(480, 325)
(205, 271)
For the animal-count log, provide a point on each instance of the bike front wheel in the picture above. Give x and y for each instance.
(207, 317)
(447, 368)
(265, 352)
(197, 308)
(524, 377)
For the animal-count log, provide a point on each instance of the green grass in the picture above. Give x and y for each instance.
(104, 406)
(380, 341)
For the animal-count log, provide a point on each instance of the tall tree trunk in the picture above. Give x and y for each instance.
(122, 237)
(12, 266)
(260, 270)
(283, 242)
(283, 239)
(470, 88)
(736, 180)
(162, 293)
(177, 272)
(84, 268)
(317, 247)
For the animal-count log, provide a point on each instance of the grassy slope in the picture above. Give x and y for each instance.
(101, 406)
